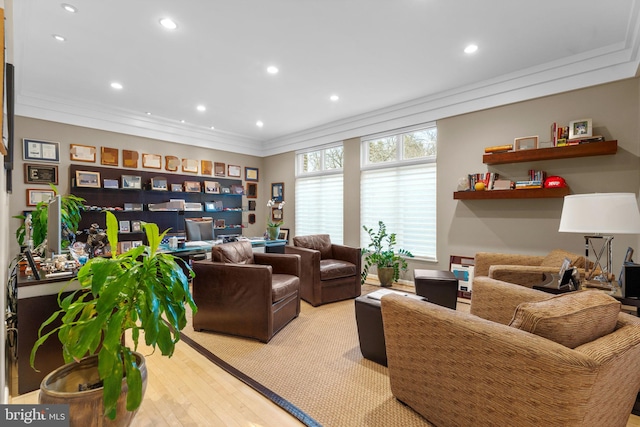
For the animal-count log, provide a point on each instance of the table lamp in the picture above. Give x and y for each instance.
(598, 216)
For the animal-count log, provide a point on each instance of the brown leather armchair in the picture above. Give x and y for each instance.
(329, 272)
(243, 293)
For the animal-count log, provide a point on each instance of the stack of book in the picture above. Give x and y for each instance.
(528, 184)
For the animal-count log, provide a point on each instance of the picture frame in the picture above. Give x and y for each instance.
(171, 163)
(37, 195)
(110, 183)
(37, 150)
(151, 161)
(219, 169)
(136, 243)
(284, 234)
(220, 223)
(88, 179)
(131, 182)
(206, 166)
(237, 189)
(233, 171)
(252, 190)
(176, 188)
(124, 226)
(130, 158)
(276, 214)
(82, 153)
(251, 218)
(189, 165)
(251, 205)
(40, 174)
(251, 174)
(525, 143)
(124, 246)
(109, 156)
(136, 226)
(582, 128)
(192, 186)
(212, 187)
(159, 183)
(277, 191)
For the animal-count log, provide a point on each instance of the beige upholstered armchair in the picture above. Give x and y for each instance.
(525, 270)
(565, 360)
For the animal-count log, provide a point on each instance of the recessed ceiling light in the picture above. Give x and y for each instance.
(211, 127)
(471, 48)
(148, 113)
(168, 23)
(59, 37)
(334, 98)
(201, 108)
(116, 85)
(182, 121)
(272, 70)
(69, 8)
(259, 123)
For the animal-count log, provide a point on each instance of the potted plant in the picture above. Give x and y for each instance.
(138, 291)
(381, 253)
(273, 227)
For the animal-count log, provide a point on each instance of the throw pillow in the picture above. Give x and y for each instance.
(557, 256)
(570, 319)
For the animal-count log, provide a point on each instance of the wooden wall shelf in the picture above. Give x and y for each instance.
(528, 193)
(565, 152)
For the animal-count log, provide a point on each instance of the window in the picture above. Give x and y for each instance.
(398, 186)
(319, 189)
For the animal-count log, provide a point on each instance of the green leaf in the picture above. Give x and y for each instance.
(134, 381)
(112, 232)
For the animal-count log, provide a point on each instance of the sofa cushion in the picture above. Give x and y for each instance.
(570, 319)
(318, 242)
(557, 256)
(335, 269)
(233, 253)
(283, 285)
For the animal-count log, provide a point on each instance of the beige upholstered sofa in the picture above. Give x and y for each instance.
(461, 369)
(525, 270)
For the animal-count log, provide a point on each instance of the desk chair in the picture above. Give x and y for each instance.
(199, 229)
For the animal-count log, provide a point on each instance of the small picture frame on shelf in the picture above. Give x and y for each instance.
(110, 183)
(136, 243)
(88, 179)
(525, 143)
(284, 234)
(220, 223)
(136, 226)
(159, 183)
(192, 186)
(212, 187)
(582, 128)
(132, 182)
(124, 226)
(82, 153)
(124, 246)
(237, 189)
(176, 188)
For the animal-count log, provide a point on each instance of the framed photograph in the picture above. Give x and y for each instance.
(109, 156)
(192, 186)
(176, 188)
(88, 179)
(130, 159)
(136, 226)
(525, 143)
(237, 189)
(276, 214)
(277, 191)
(159, 183)
(35, 196)
(284, 234)
(132, 182)
(40, 174)
(220, 223)
(212, 187)
(252, 190)
(580, 128)
(82, 153)
(125, 226)
(234, 171)
(189, 165)
(44, 151)
(152, 161)
(171, 163)
(206, 166)
(219, 169)
(251, 174)
(110, 183)
(124, 246)
(136, 243)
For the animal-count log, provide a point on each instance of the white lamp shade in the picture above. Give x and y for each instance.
(600, 213)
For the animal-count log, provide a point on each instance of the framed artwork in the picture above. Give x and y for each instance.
(192, 186)
(159, 183)
(132, 182)
(237, 189)
(284, 234)
(176, 188)
(252, 205)
(88, 179)
(124, 246)
(277, 191)
(252, 190)
(125, 226)
(207, 167)
(130, 159)
(109, 156)
(525, 143)
(251, 174)
(219, 169)
(212, 187)
(40, 174)
(220, 223)
(35, 196)
(136, 243)
(82, 153)
(234, 171)
(110, 183)
(136, 226)
(252, 218)
(171, 163)
(152, 161)
(189, 165)
(276, 214)
(44, 151)
(580, 128)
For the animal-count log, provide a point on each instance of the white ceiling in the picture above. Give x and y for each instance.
(392, 62)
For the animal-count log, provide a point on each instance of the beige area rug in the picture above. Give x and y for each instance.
(315, 364)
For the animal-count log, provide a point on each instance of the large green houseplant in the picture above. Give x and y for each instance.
(382, 254)
(137, 291)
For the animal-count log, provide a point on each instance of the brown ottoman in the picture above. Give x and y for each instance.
(370, 329)
(439, 287)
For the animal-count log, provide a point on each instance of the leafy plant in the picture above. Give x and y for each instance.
(381, 253)
(134, 291)
(71, 209)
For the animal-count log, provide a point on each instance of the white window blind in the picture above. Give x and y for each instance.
(319, 206)
(404, 197)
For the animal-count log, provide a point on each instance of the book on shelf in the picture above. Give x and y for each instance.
(487, 178)
(528, 184)
(585, 140)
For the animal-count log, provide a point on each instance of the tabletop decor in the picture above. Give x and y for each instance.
(275, 221)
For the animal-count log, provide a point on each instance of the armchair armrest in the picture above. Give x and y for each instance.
(484, 260)
(347, 253)
(281, 264)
